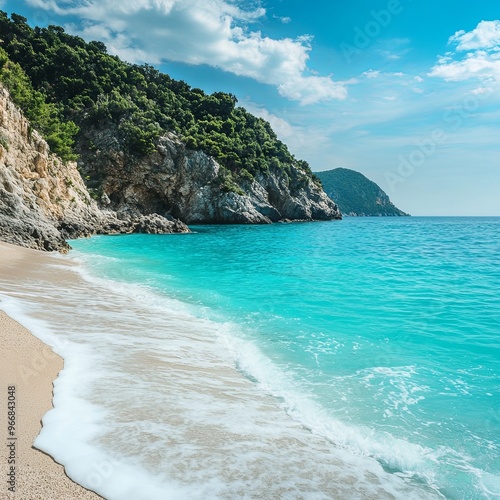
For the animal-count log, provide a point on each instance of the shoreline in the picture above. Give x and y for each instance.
(178, 363)
(28, 367)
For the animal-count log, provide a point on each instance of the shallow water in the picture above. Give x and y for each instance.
(351, 359)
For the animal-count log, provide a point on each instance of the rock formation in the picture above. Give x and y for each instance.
(187, 185)
(44, 201)
(147, 145)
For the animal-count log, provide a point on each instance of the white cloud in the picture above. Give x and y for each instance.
(284, 20)
(394, 49)
(306, 141)
(480, 91)
(481, 60)
(371, 73)
(213, 32)
(284, 129)
(486, 35)
(478, 64)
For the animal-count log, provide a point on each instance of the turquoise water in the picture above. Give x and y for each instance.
(380, 334)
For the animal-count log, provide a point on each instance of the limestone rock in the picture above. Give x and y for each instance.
(187, 185)
(44, 201)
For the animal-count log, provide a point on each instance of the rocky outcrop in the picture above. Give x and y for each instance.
(44, 201)
(189, 185)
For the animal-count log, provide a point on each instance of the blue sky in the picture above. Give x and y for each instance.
(404, 91)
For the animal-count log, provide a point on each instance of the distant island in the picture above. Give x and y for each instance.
(357, 195)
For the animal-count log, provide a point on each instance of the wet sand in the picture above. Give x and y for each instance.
(29, 366)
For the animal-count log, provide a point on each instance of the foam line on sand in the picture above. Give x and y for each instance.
(29, 366)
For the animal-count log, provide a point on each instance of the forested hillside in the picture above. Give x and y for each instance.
(355, 194)
(63, 83)
(147, 144)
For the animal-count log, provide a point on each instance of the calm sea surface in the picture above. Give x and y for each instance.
(240, 361)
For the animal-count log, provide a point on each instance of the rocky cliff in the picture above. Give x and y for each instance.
(190, 185)
(44, 201)
(148, 144)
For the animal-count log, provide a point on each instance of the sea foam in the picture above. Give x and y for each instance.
(153, 403)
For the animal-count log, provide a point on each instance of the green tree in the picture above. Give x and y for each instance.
(62, 82)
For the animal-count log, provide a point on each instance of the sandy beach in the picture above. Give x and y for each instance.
(149, 404)
(27, 370)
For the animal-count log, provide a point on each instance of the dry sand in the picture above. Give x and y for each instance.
(30, 366)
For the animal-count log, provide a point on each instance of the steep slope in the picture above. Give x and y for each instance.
(147, 143)
(192, 186)
(355, 194)
(44, 201)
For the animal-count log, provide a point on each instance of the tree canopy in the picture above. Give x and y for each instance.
(63, 82)
(355, 194)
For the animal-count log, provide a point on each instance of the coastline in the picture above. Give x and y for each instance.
(30, 366)
(179, 363)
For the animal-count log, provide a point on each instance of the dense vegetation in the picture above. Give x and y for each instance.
(63, 82)
(355, 194)
(47, 118)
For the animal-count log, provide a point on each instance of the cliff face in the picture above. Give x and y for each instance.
(356, 194)
(44, 201)
(235, 170)
(189, 185)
